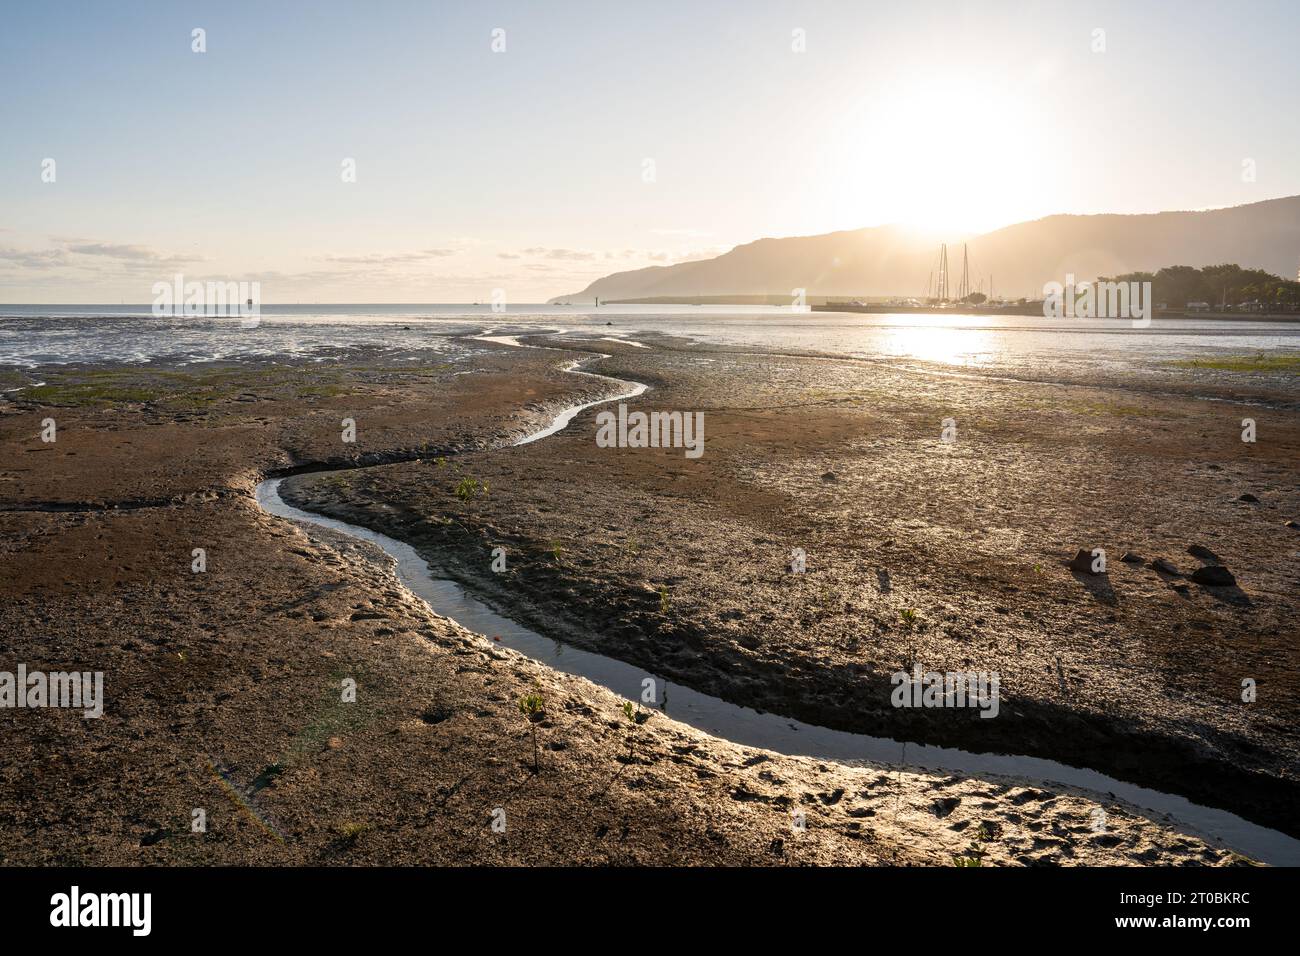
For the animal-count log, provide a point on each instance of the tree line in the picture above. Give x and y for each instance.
(1177, 286)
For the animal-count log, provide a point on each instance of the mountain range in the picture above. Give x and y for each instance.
(1015, 260)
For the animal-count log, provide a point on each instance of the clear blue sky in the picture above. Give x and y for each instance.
(523, 170)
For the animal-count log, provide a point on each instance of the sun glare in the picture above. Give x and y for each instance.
(951, 342)
(938, 162)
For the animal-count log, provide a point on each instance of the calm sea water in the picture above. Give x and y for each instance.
(35, 335)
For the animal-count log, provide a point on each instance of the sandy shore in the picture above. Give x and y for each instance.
(223, 687)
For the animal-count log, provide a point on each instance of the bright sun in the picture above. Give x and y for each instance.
(936, 160)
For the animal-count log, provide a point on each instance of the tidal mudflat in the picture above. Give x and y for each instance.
(919, 552)
(221, 686)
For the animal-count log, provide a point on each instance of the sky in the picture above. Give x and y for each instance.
(598, 136)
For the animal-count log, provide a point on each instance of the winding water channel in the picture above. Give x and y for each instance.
(748, 727)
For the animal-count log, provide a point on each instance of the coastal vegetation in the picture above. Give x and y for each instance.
(1285, 362)
(1221, 285)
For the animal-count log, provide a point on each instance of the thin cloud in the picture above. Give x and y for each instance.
(389, 258)
(128, 253)
(572, 255)
(34, 258)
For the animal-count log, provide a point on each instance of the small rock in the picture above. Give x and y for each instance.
(1166, 566)
(1028, 794)
(1130, 557)
(334, 743)
(1202, 552)
(1214, 575)
(945, 805)
(830, 476)
(1247, 497)
(1082, 562)
(1181, 588)
(1291, 524)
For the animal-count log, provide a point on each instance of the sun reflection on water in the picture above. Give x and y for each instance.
(946, 340)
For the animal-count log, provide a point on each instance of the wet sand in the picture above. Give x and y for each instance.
(223, 687)
(681, 565)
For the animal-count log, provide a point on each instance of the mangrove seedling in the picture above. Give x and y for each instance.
(908, 617)
(634, 713)
(827, 598)
(470, 488)
(637, 716)
(534, 709)
(974, 857)
(663, 599)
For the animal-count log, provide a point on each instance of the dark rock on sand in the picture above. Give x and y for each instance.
(1202, 552)
(1214, 575)
(945, 805)
(1130, 557)
(1247, 497)
(830, 476)
(1082, 562)
(1166, 566)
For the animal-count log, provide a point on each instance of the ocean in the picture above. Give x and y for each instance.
(38, 335)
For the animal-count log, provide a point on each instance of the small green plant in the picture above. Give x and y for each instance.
(557, 552)
(634, 713)
(534, 710)
(636, 716)
(663, 599)
(826, 597)
(975, 852)
(467, 489)
(349, 832)
(909, 617)
(440, 462)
